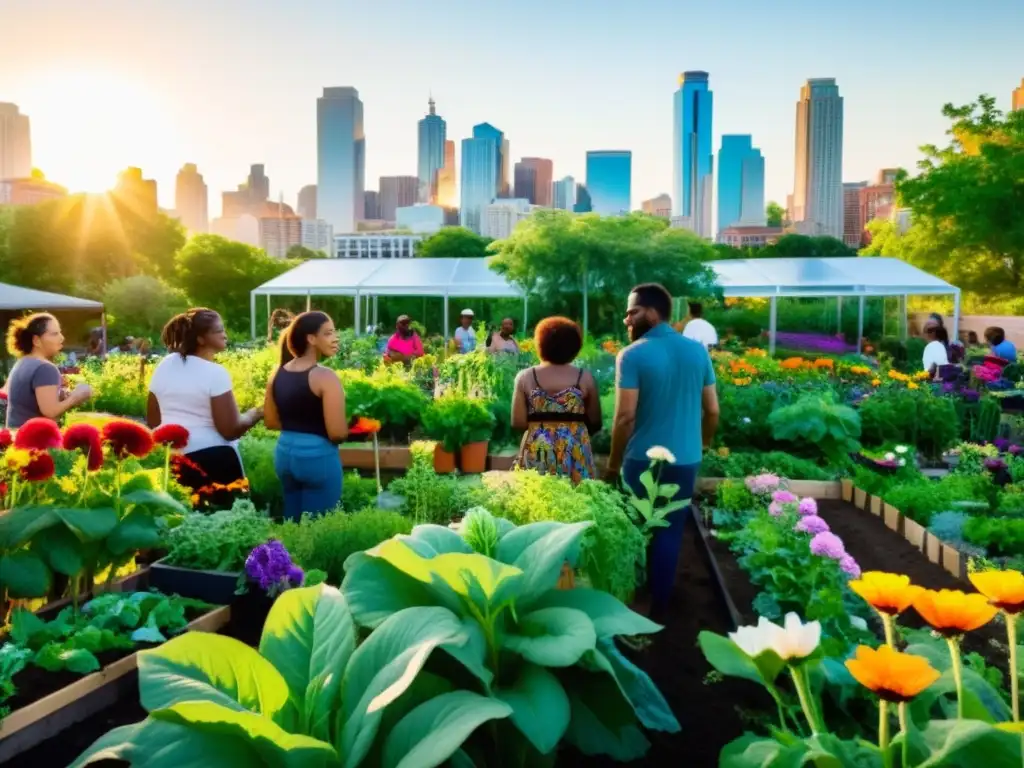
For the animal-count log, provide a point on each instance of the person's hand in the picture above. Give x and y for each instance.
(612, 475)
(82, 393)
(255, 415)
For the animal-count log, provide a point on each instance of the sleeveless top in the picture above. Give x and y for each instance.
(300, 409)
(557, 440)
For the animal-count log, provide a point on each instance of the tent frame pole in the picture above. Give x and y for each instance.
(252, 316)
(860, 324)
(773, 323)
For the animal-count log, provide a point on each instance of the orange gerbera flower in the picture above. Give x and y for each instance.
(890, 593)
(364, 426)
(1004, 589)
(891, 675)
(951, 612)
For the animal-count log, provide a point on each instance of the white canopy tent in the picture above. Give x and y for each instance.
(16, 298)
(841, 277)
(370, 278)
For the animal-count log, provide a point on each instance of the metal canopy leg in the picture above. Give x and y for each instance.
(773, 323)
(860, 324)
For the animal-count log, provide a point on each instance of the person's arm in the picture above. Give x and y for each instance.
(627, 394)
(709, 406)
(327, 385)
(592, 403)
(520, 410)
(230, 424)
(271, 416)
(417, 346)
(152, 411)
(47, 381)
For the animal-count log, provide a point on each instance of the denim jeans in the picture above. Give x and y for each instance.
(663, 554)
(309, 468)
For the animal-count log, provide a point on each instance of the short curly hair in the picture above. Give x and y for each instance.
(21, 332)
(558, 340)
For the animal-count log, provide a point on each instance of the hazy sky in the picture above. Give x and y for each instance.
(227, 83)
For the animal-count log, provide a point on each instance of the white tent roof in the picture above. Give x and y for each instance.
(839, 276)
(391, 277)
(13, 297)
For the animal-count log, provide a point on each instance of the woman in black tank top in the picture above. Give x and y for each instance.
(306, 402)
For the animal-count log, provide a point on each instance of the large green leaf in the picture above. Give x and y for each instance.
(592, 735)
(636, 685)
(540, 550)
(968, 744)
(60, 548)
(435, 730)
(750, 751)
(198, 666)
(384, 667)
(272, 744)
(138, 530)
(540, 707)
(610, 616)
(309, 636)
(154, 501)
(88, 524)
(20, 524)
(553, 637)
(374, 590)
(732, 661)
(441, 539)
(25, 575)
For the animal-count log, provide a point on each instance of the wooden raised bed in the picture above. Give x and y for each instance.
(400, 457)
(45, 718)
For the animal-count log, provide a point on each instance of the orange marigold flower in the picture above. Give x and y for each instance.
(875, 382)
(1004, 589)
(741, 382)
(38, 434)
(824, 362)
(891, 675)
(791, 363)
(952, 612)
(912, 385)
(890, 593)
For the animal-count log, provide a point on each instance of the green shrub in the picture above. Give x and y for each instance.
(220, 541)
(456, 420)
(357, 492)
(999, 536)
(257, 450)
(816, 424)
(910, 417)
(430, 497)
(740, 464)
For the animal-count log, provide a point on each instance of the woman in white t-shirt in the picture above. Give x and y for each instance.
(936, 351)
(188, 388)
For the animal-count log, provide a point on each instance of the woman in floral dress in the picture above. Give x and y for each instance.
(557, 404)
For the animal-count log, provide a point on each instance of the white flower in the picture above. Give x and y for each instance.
(795, 640)
(659, 453)
(746, 419)
(901, 449)
(890, 456)
(903, 462)
(755, 640)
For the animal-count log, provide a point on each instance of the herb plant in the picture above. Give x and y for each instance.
(220, 541)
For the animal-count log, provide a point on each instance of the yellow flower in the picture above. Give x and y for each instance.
(742, 382)
(912, 385)
(723, 452)
(67, 485)
(891, 675)
(922, 375)
(875, 382)
(951, 612)
(1004, 589)
(18, 458)
(890, 593)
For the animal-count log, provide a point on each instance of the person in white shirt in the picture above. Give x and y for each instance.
(699, 329)
(936, 351)
(465, 336)
(189, 389)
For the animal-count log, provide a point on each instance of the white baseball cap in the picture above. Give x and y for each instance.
(466, 313)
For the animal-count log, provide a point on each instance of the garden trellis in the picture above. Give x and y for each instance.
(368, 279)
(839, 277)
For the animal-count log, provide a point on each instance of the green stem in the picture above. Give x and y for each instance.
(958, 675)
(889, 633)
(904, 746)
(803, 694)
(1011, 635)
(883, 732)
(167, 468)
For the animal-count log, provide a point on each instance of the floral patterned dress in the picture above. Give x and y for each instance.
(557, 441)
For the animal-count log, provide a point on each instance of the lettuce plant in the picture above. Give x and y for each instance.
(309, 697)
(548, 655)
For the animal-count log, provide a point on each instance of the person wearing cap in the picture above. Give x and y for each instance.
(465, 336)
(405, 345)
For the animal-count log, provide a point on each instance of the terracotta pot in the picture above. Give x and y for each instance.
(473, 458)
(444, 461)
(567, 578)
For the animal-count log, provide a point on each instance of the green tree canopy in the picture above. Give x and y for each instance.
(141, 305)
(302, 253)
(775, 214)
(788, 246)
(453, 242)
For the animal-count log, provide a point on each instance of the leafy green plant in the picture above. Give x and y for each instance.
(220, 541)
(999, 536)
(918, 417)
(387, 395)
(549, 655)
(652, 510)
(456, 420)
(817, 420)
(740, 464)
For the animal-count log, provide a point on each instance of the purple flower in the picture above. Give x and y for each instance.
(970, 395)
(995, 465)
(783, 497)
(1016, 450)
(827, 544)
(1001, 444)
(948, 387)
(811, 524)
(271, 567)
(762, 484)
(775, 509)
(849, 566)
(808, 506)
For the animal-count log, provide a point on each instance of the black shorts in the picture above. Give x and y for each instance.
(200, 470)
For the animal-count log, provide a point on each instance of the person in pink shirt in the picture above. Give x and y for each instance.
(405, 345)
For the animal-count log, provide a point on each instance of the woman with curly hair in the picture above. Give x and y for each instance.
(557, 404)
(190, 389)
(34, 386)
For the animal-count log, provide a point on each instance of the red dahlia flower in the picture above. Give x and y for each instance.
(172, 435)
(5, 438)
(128, 438)
(38, 434)
(40, 468)
(87, 439)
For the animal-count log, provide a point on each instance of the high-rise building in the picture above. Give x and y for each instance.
(432, 137)
(501, 217)
(15, 143)
(886, 176)
(250, 195)
(660, 206)
(818, 186)
(1017, 100)
(371, 205)
(317, 235)
(137, 193)
(875, 201)
(341, 158)
(693, 153)
(191, 199)
(563, 193)
(583, 203)
(307, 202)
(481, 161)
(258, 184)
(852, 225)
(533, 178)
(29, 191)
(489, 132)
(397, 192)
(740, 183)
(610, 181)
(446, 178)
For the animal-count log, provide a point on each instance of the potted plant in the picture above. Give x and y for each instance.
(477, 423)
(441, 423)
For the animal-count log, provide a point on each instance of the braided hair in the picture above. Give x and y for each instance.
(279, 320)
(182, 332)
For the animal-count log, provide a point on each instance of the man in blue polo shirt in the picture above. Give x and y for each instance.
(664, 397)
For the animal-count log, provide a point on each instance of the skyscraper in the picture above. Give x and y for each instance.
(432, 135)
(446, 178)
(693, 153)
(740, 182)
(371, 205)
(258, 184)
(307, 202)
(341, 158)
(660, 206)
(15, 143)
(488, 131)
(481, 161)
(609, 181)
(191, 199)
(818, 185)
(533, 177)
(853, 228)
(582, 204)
(1017, 100)
(397, 192)
(135, 192)
(564, 193)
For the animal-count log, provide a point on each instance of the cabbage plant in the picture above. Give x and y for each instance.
(309, 698)
(548, 655)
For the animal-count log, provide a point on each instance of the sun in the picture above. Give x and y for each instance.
(89, 125)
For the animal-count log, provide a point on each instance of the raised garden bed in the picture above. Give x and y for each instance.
(819, 489)
(217, 587)
(400, 458)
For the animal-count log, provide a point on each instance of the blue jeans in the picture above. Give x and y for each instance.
(309, 468)
(663, 554)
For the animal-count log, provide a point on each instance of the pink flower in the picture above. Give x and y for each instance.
(763, 483)
(827, 544)
(808, 506)
(783, 497)
(849, 566)
(775, 509)
(811, 524)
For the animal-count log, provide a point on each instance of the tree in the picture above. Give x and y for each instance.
(775, 214)
(302, 253)
(141, 305)
(219, 274)
(555, 256)
(453, 242)
(969, 197)
(798, 246)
